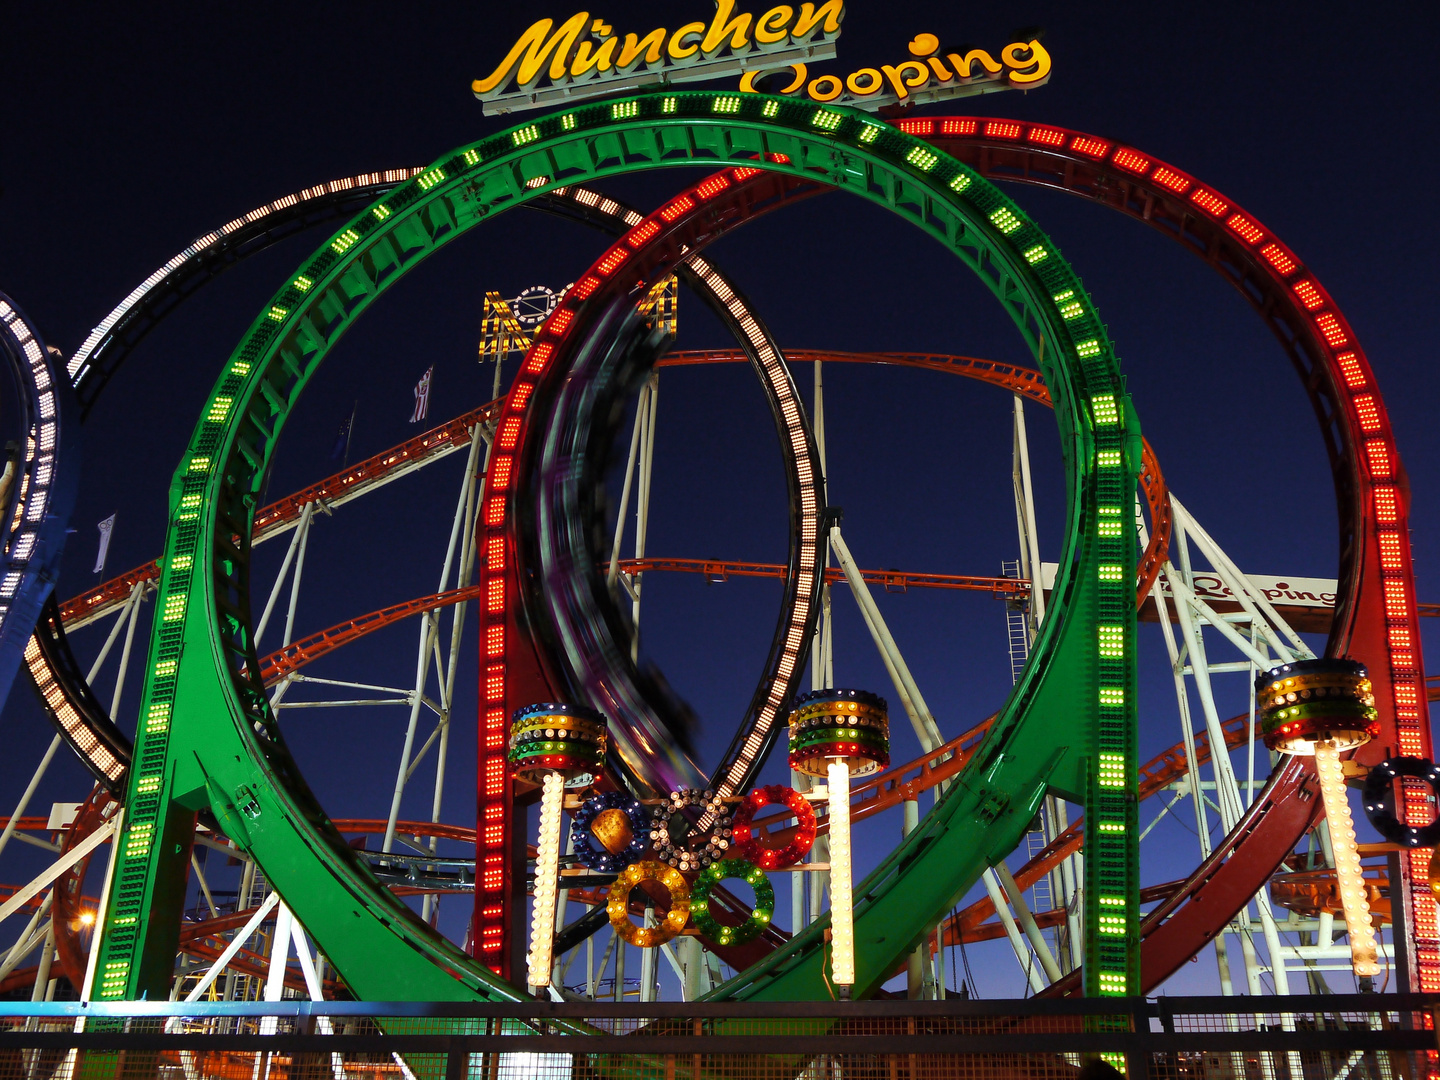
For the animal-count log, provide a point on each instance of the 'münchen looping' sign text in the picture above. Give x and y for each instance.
(926, 76)
(584, 57)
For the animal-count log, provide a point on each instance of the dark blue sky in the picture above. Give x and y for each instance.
(128, 134)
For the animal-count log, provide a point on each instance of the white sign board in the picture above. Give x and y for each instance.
(1282, 591)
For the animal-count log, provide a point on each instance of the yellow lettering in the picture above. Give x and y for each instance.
(531, 51)
(736, 29)
(604, 57)
(832, 11)
(906, 77)
(1029, 70)
(650, 45)
(942, 73)
(825, 88)
(800, 73)
(677, 49)
(771, 27)
(873, 82)
(924, 45)
(961, 64)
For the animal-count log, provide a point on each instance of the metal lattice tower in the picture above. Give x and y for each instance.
(661, 307)
(500, 331)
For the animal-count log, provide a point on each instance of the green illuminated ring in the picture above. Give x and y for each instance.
(760, 915)
(555, 746)
(1341, 709)
(867, 736)
(208, 735)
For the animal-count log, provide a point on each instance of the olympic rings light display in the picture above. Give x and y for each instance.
(744, 824)
(605, 860)
(760, 915)
(618, 905)
(681, 855)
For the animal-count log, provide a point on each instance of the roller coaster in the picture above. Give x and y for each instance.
(208, 768)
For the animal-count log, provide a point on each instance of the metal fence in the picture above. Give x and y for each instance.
(1352, 1037)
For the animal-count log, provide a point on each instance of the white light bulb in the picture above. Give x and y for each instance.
(547, 869)
(1353, 895)
(842, 915)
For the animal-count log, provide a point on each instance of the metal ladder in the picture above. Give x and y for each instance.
(1017, 625)
(249, 987)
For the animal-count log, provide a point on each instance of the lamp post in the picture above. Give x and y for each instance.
(554, 746)
(1322, 708)
(838, 734)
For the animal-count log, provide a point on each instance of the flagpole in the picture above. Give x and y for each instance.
(349, 433)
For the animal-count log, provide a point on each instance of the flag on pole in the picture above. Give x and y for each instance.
(341, 449)
(105, 527)
(422, 396)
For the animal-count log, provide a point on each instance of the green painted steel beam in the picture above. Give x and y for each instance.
(208, 740)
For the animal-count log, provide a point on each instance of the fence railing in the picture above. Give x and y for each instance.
(1330, 1037)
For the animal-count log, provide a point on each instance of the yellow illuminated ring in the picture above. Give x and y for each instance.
(618, 906)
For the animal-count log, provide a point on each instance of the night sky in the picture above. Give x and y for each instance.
(130, 131)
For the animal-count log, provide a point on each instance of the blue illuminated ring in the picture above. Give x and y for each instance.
(598, 859)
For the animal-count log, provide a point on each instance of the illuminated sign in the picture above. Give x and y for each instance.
(1285, 592)
(584, 57)
(927, 76)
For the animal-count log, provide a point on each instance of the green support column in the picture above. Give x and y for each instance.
(1112, 850)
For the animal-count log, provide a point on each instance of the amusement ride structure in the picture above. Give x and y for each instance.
(629, 826)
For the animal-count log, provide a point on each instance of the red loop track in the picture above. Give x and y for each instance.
(1376, 620)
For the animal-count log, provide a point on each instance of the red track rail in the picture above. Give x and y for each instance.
(297, 654)
(1018, 380)
(893, 580)
(281, 516)
(307, 650)
(453, 435)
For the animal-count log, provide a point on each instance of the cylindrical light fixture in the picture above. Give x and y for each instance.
(1324, 707)
(551, 745)
(838, 734)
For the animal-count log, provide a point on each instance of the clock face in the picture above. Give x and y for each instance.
(533, 306)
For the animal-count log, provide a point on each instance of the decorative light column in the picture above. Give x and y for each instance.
(838, 734)
(1322, 708)
(554, 746)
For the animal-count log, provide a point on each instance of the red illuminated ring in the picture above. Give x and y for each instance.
(749, 844)
(1338, 378)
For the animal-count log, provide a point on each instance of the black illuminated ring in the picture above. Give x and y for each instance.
(682, 855)
(1380, 801)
